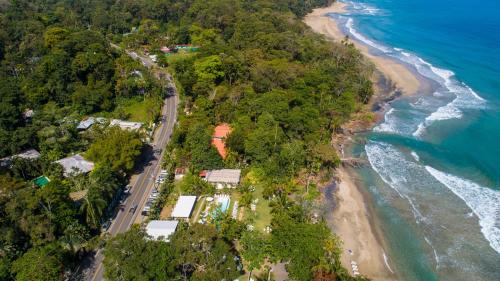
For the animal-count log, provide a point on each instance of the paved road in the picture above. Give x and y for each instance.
(144, 182)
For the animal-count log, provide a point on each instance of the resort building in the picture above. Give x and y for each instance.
(219, 137)
(126, 125)
(27, 154)
(225, 178)
(161, 230)
(184, 207)
(75, 164)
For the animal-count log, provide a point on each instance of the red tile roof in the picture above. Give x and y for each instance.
(180, 171)
(220, 133)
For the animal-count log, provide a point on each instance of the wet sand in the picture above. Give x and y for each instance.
(352, 219)
(353, 222)
(396, 72)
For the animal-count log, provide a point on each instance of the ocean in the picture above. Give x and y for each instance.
(434, 174)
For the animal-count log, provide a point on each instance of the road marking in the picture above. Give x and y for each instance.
(97, 271)
(164, 134)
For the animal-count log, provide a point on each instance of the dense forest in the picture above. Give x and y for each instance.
(283, 89)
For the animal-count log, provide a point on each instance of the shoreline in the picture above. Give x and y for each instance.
(352, 219)
(403, 78)
(354, 223)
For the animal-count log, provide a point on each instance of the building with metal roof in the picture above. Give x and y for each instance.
(184, 207)
(225, 178)
(126, 125)
(27, 154)
(161, 230)
(75, 164)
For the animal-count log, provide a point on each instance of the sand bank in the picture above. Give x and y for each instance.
(399, 74)
(352, 219)
(352, 222)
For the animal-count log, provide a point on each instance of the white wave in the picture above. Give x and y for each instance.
(350, 27)
(463, 96)
(384, 158)
(446, 112)
(362, 8)
(436, 257)
(388, 126)
(420, 130)
(483, 201)
(415, 156)
(386, 262)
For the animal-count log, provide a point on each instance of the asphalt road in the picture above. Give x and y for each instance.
(144, 182)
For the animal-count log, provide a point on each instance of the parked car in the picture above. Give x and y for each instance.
(105, 226)
(133, 209)
(127, 189)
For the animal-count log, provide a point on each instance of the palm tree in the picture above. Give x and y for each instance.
(93, 208)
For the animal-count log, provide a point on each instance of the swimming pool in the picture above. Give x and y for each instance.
(223, 202)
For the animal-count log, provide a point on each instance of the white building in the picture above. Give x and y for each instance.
(225, 178)
(184, 207)
(75, 163)
(126, 125)
(161, 230)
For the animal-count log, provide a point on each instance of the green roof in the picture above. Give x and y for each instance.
(41, 181)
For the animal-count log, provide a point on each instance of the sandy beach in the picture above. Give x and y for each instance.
(397, 73)
(352, 219)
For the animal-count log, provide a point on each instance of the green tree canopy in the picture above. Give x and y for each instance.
(117, 149)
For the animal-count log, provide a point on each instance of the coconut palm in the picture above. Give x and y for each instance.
(93, 207)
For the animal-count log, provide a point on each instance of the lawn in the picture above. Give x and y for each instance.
(139, 109)
(262, 214)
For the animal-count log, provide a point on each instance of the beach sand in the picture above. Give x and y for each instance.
(352, 220)
(397, 73)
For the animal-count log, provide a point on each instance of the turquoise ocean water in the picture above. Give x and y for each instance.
(435, 159)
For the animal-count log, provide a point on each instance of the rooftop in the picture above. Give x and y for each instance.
(41, 181)
(231, 176)
(180, 171)
(164, 229)
(184, 207)
(126, 125)
(218, 138)
(75, 162)
(85, 124)
(27, 154)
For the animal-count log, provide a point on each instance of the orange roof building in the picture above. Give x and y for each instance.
(218, 138)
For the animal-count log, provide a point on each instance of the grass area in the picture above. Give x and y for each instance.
(262, 214)
(138, 109)
(198, 208)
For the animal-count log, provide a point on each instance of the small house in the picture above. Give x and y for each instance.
(75, 164)
(180, 173)
(126, 125)
(184, 207)
(27, 154)
(219, 138)
(41, 181)
(161, 230)
(225, 178)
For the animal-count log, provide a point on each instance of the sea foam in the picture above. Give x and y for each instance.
(483, 201)
(462, 96)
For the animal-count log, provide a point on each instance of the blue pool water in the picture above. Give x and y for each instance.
(435, 160)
